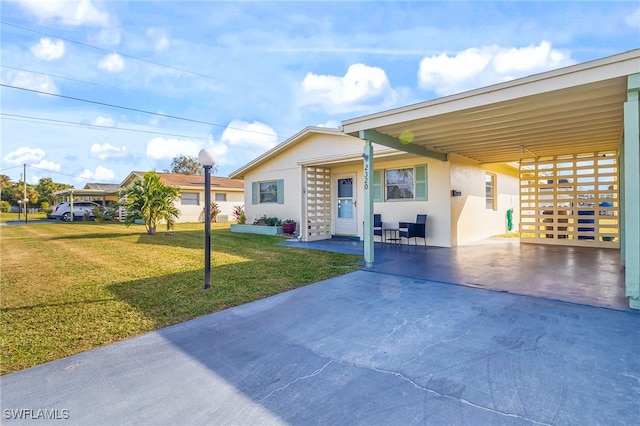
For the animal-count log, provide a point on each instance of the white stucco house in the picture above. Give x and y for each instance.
(226, 192)
(316, 178)
(559, 150)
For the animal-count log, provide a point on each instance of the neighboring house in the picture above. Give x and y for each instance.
(109, 190)
(226, 192)
(101, 193)
(317, 178)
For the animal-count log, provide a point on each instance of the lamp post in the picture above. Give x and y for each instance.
(207, 159)
(19, 208)
(26, 202)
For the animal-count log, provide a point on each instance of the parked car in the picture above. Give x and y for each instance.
(80, 209)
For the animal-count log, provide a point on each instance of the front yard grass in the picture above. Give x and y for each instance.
(70, 287)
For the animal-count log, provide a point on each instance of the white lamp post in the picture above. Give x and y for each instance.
(207, 158)
(19, 208)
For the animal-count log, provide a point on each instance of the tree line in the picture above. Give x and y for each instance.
(40, 195)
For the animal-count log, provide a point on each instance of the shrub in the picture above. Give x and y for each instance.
(5, 206)
(215, 211)
(238, 214)
(268, 221)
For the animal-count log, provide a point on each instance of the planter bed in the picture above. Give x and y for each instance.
(256, 229)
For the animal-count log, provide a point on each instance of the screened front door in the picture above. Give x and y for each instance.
(346, 223)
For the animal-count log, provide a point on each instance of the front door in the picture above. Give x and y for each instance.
(346, 223)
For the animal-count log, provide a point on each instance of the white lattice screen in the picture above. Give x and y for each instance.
(318, 204)
(570, 200)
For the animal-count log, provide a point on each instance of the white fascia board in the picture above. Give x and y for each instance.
(281, 147)
(589, 72)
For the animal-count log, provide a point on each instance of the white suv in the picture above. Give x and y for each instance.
(80, 209)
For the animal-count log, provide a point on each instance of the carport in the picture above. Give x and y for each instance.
(91, 194)
(573, 115)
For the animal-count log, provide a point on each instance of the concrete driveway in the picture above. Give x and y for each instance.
(365, 348)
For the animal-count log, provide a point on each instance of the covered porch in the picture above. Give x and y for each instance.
(587, 276)
(557, 117)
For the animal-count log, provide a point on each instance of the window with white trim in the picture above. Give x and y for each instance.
(268, 192)
(190, 199)
(406, 184)
(220, 196)
(399, 184)
(490, 191)
(271, 191)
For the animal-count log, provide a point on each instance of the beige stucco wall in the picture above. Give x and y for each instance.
(286, 165)
(471, 220)
(193, 213)
(450, 220)
(436, 207)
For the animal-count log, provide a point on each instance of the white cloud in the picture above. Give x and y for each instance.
(48, 49)
(160, 148)
(39, 82)
(160, 38)
(112, 63)
(332, 124)
(47, 165)
(256, 135)
(478, 67)
(103, 121)
(100, 174)
(69, 12)
(362, 87)
(107, 150)
(633, 19)
(24, 155)
(461, 67)
(242, 141)
(529, 59)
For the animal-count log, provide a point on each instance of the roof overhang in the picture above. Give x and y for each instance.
(87, 192)
(301, 135)
(566, 111)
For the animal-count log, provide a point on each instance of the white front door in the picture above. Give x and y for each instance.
(346, 217)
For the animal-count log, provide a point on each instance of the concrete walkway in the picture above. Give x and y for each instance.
(366, 348)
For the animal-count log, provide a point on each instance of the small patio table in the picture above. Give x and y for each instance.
(392, 235)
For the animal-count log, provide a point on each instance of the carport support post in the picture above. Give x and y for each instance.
(367, 155)
(631, 207)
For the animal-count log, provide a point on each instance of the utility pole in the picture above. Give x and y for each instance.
(24, 183)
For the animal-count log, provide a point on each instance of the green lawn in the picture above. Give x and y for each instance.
(69, 287)
(14, 217)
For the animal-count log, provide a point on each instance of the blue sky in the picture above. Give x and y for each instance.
(139, 82)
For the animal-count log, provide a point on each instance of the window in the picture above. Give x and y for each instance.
(190, 199)
(490, 189)
(267, 192)
(220, 196)
(399, 184)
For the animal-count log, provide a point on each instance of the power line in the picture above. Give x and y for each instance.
(40, 168)
(107, 50)
(59, 76)
(138, 110)
(39, 120)
(10, 168)
(53, 171)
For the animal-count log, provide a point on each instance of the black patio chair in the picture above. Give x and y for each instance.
(418, 229)
(377, 225)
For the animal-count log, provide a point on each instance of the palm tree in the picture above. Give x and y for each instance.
(151, 201)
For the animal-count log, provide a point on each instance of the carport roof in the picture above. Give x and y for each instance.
(566, 111)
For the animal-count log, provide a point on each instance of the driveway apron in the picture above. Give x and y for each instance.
(364, 348)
